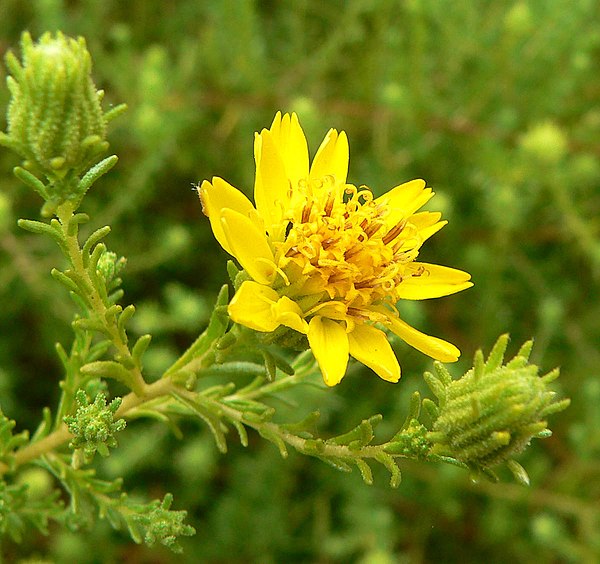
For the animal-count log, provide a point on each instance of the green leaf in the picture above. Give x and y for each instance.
(496, 355)
(95, 173)
(41, 228)
(92, 240)
(217, 326)
(212, 419)
(32, 181)
(109, 369)
(365, 471)
(140, 347)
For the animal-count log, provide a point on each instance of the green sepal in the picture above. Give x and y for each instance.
(232, 271)
(414, 410)
(436, 386)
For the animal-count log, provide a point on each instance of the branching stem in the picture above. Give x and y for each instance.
(96, 301)
(55, 439)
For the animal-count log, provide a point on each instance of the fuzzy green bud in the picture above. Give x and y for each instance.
(93, 427)
(109, 265)
(491, 414)
(55, 120)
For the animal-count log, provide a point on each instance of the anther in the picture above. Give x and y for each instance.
(329, 204)
(306, 213)
(393, 232)
(372, 228)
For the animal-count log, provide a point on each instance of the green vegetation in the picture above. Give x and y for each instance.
(494, 104)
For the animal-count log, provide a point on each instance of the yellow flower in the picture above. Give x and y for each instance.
(327, 259)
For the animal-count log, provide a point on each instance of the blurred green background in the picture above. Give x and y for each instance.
(495, 104)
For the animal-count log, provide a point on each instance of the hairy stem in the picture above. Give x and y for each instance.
(96, 301)
(57, 438)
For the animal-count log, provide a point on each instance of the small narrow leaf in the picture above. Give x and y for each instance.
(241, 432)
(92, 240)
(518, 472)
(108, 369)
(66, 281)
(496, 355)
(41, 229)
(32, 181)
(140, 348)
(365, 471)
(95, 173)
(392, 466)
(435, 386)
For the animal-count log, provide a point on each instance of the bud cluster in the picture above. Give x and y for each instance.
(93, 427)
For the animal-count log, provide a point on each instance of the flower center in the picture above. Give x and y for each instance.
(339, 245)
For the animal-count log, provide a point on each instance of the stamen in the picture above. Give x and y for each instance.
(372, 228)
(306, 212)
(329, 205)
(368, 283)
(393, 232)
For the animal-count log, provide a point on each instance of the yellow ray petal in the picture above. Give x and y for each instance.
(421, 220)
(217, 196)
(431, 346)
(370, 346)
(431, 281)
(249, 245)
(252, 306)
(404, 200)
(329, 343)
(291, 142)
(332, 157)
(271, 185)
(288, 313)
(427, 232)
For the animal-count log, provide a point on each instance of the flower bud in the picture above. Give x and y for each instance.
(492, 412)
(55, 121)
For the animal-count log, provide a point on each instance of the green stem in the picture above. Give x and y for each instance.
(266, 428)
(99, 307)
(160, 388)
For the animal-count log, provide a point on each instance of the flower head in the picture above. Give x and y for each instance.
(326, 259)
